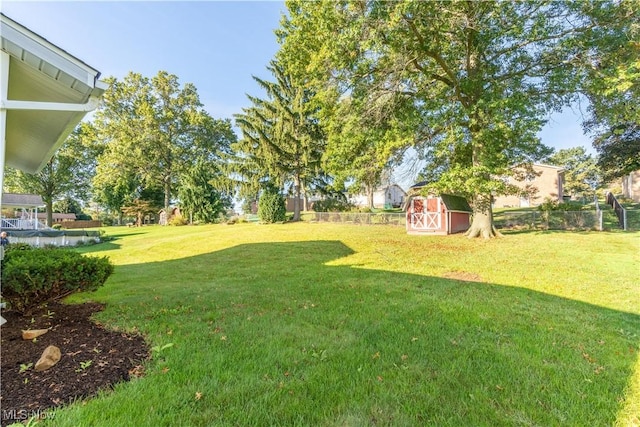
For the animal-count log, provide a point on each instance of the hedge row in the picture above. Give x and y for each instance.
(33, 276)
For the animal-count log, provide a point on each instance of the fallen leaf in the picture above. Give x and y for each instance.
(198, 395)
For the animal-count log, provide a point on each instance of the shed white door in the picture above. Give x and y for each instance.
(425, 214)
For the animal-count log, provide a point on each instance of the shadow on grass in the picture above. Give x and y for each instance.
(311, 343)
(99, 247)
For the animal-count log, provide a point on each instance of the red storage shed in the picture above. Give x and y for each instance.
(443, 214)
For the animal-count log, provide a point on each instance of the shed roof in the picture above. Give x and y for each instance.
(21, 200)
(45, 91)
(455, 203)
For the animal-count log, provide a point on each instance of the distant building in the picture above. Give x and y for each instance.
(390, 196)
(164, 217)
(546, 183)
(57, 218)
(631, 186)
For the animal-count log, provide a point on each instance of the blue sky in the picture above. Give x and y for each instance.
(216, 45)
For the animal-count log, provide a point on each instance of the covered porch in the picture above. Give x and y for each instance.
(20, 212)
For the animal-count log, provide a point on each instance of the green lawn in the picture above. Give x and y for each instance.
(340, 325)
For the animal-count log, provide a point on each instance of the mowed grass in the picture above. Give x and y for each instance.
(340, 325)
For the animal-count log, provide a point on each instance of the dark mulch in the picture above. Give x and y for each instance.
(93, 358)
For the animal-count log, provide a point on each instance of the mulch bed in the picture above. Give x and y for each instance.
(93, 358)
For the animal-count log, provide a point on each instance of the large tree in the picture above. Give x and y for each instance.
(280, 135)
(152, 131)
(66, 175)
(481, 77)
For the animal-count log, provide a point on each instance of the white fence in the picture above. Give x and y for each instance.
(61, 240)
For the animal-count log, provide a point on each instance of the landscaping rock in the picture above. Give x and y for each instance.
(33, 333)
(50, 356)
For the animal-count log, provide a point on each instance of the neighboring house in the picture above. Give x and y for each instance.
(391, 196)
(20, 211)
(631, 186)
(57, 218)
(546, 183)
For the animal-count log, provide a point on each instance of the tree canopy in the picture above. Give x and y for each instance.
(613, 87)
(152, 130)
(475, 81)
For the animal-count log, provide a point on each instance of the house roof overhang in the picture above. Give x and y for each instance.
(21, 200)
(44, 93)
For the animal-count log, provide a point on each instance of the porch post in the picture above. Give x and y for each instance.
(4, 88)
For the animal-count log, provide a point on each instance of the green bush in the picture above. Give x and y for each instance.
(332, 205)
(36, 276)
(271, 208)
(553, 205)
(18, 247)
(177, 221)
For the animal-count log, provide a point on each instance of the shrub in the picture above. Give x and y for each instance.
(36, 276)
(18, 247)
(271, 208)
(332, 205)
(177, 220)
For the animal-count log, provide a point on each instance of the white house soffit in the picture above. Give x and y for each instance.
(27, 83)
(26, 45)
(45, 93)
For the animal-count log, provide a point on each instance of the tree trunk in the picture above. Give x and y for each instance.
(49, 204)
(371, 192)
(305, 199)
(296, 199)
(167, 194)
(482, 224)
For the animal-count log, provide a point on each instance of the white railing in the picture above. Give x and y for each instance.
(21, 224)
